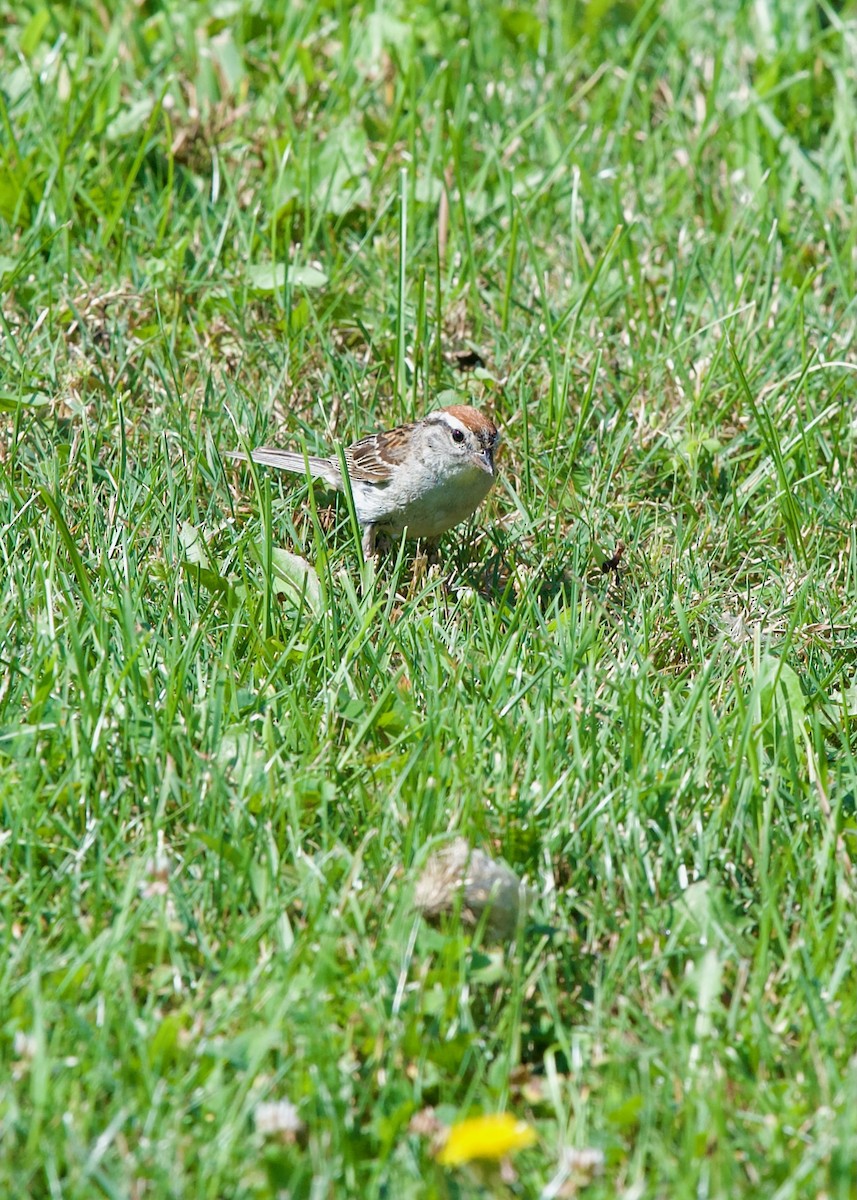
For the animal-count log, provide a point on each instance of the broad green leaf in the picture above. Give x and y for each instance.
(625, 1115)
(846, 701)
(219, 846)
(340, 176)
(781, 695)
(10, 403)
(294, 576)
(271, 277)
(130, 120)
(213, 581)
(194, 544)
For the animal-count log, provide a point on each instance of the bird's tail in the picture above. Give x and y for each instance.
(290, 460)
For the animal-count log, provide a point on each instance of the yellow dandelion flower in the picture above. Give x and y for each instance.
(490, 1137)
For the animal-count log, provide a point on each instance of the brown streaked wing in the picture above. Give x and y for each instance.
(372, 458)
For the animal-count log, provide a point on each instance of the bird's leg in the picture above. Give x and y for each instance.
(426, 562)
(368, 542)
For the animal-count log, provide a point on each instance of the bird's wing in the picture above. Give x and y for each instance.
(374, 458)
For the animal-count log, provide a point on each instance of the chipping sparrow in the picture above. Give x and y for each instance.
(425, 477)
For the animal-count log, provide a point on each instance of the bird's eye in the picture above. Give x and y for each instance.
(457, 436)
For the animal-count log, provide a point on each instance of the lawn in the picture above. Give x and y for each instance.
(229, 747)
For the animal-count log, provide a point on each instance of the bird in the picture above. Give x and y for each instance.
(425, 477)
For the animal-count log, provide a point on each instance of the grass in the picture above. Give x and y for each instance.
(219, 781)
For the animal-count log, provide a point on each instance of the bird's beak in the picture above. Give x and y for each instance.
(485, 460)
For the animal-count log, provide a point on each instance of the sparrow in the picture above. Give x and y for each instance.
(423, 478)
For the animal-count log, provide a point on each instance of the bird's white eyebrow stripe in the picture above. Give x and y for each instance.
(445, 418)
